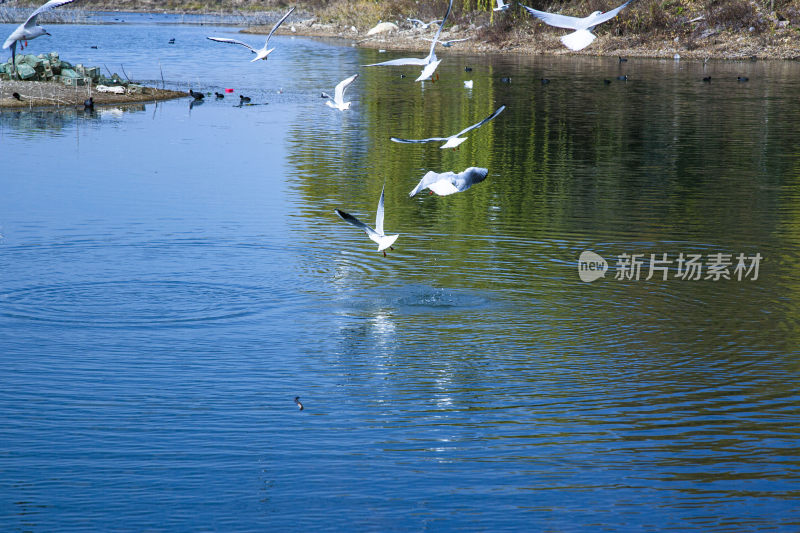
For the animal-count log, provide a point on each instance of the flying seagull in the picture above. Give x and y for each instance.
(501, 6)
(449, 43)
(429, 63)
(582, 36)
(384, 241)
(261, 53)
(338, 94)
(449, 182)
(423, 25)
(453, 140)
(29, 29)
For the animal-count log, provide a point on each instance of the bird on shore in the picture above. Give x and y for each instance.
(501, 6)
(448, 183)
(261, 53)
(429, 63)
(377, 235)
(337, 101)
(582, 36)
(16, 96)
(453, 140)
(29, 30)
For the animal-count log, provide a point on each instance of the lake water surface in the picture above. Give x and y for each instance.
(172, 277)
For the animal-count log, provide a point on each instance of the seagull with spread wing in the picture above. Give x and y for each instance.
(453, 140)
(29, 30)
(338, 94)
(261, 53)
(429, 62)
(448, 43)
(582, 36)
(384, 241)
(501, 6)
(448, 183)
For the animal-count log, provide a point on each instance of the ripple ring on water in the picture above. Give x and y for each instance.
(135, 303)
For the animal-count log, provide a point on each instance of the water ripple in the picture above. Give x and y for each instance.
(135, 303)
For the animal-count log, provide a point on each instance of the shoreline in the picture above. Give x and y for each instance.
(54, 94)
(781, 45)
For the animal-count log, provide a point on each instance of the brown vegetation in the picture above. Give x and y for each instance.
(692, 28)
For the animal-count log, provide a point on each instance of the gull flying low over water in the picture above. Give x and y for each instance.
(453, 140)
(384, 241)
(261, 53)
(448, 183)
(338, 94)
(429, 63)
(582, 36)
(29, 29)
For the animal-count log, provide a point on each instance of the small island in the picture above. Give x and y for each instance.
(47, 80)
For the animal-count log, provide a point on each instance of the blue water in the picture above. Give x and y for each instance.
(172, 277)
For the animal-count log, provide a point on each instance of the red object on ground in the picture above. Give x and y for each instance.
(228, 90)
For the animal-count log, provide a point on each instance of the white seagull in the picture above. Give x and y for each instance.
(29, 29)
(501, 6)
(453, 140)
(582, 36)
(429, 63)
(338, 94)
(384, 241)
(449, 182)
(448, 43)
(261, 53)
(423, 25)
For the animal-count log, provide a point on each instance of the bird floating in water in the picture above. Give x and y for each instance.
(244, 99)
(337, 102)
(742, 78)
(260, 53)
(297, 401)
(377, 235)
(195, 95)
(448, 183)
(582, 36)
(453, 140)
(171, 41)
(29, 30)
(501, 6)
(219, 96)
(468, 84)
(88, 104)
(429, 63)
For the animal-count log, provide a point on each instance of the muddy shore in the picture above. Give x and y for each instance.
(783, 43)
(51, 93)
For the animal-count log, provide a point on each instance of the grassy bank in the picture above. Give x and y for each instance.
(660, 28)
